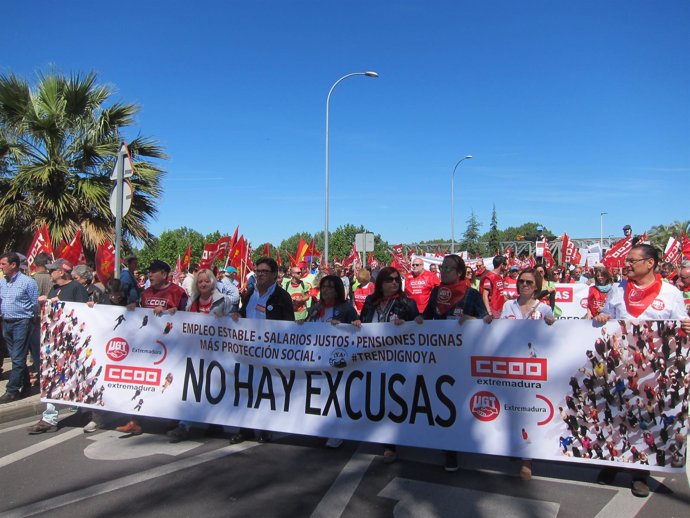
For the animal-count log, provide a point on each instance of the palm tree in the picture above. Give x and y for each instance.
(659, 234)
(58, 146)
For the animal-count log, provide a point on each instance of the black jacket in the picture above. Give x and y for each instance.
(343, 312)
(403, 307)
(278, 307)
(471, 305)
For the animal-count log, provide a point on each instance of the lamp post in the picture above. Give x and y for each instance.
(601, 232)
(452, 204)
(328, 104)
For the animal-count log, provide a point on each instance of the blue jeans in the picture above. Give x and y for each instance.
(17, 335)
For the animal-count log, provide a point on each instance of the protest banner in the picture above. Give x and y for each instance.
(518, 388)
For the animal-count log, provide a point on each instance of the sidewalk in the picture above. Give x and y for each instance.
(26, 407)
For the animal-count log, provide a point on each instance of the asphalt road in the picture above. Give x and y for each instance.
(69, 473)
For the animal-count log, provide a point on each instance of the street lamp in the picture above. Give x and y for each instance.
(452, 204)
(328, 104)
(601, 232)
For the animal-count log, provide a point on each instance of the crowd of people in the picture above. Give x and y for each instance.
(619, 374)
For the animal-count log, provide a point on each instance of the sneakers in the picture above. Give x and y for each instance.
(451, 463)
(9, 398)
(389, 456)
(334, 443)
(237, 438)
(91, 427)
(639, 488)
(42, 427)
(526, 470)
(132, 428)
(179, 434)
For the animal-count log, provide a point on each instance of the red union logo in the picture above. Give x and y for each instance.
(117, 349)
(564, 294)
(658, 304)
(512, 368)
(583, 303)
(485, 406)
(138, 375)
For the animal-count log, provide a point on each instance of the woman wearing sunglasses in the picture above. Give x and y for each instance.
(528, 307)
(454, 299)
(388, 303)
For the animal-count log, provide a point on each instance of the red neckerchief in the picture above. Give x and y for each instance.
(638, 299)
(449, 295)
(323, 308)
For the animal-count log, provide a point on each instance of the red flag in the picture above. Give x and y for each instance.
(312, 251)
(548, 257)
(40, 244)
(187, 259)
(208, 255)
(335, 258)
(267, 250)
(279, 260)
(615, 257)
(352, 259)
(399, 261)
(238, 253)
(370, 259)
(292, 259)
(105, 261)
(74, 251)
(685, 246)
(672, 253)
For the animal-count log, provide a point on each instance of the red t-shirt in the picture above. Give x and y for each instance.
(596, 300)
(361, 293)
(173, 296)
(492, 283)
(419, 288)
(510, 287)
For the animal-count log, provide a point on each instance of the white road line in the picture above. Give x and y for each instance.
(339, 494)
(120, 483)
(16, 427)
(43, 445)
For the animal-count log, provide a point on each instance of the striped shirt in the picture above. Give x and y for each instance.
(18, 297)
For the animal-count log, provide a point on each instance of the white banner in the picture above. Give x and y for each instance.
(518, 388)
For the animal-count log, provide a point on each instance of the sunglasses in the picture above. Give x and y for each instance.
(392, 279)
(525, 281)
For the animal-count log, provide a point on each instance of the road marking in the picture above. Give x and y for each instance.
(123, 482)
(417, 498)
(110, 445)
(35, 448)
(339, 494)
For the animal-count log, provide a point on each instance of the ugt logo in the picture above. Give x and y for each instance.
(485, 406)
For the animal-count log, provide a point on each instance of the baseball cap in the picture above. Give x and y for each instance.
(61, 264)
(514, 268)
(157, 266)
(627, 227)
(231, 269)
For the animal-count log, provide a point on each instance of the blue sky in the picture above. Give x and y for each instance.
(569, 108)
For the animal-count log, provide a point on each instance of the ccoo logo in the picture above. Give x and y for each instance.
(117, 349)
(484, 406)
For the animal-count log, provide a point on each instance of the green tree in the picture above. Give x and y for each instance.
(493, 236)
(659, 234)
(171, 244)
(58, 144)
(470, 238)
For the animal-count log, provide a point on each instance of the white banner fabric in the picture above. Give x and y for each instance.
(568, 392)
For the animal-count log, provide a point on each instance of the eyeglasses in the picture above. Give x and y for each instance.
(417, 264)
(392, 279)
(447, 269)
(632, 261)
(260, 272)
(525, 281)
